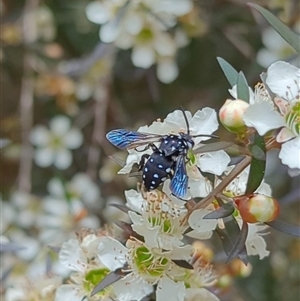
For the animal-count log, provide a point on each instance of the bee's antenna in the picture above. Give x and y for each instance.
(186, 120)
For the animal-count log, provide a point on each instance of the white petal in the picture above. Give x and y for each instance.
(63, 159)
(73, 139)
(69, 292)
(164, 45)
(167, 289)
(112, 253)
(177, 7)
(44, 157)
(204, 121)
(72, 256)
(143, 56)
(283, 79)
(293, 172)
(255, 243)
(124, 41)
(134, 200)
(40, 136)
(60, 125)
(265, 57)
(131, 288)
(199, 224)
(97, 12)
(134, 23)
(263, 117)
(56, 188)
(167, 71)
(214, 162)
(199, 188)
(109, 32)
(290, 153)
(197, 294)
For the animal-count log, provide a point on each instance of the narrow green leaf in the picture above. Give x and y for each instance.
(242, 87)
(230, 73)
(224, 211)
(239, 244)
(285, 227)
(183, 264)
(212, 147)
(111, 278)
(229, 236)
(291, 37)
(258, 164)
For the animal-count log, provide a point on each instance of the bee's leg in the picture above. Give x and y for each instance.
(143, 160)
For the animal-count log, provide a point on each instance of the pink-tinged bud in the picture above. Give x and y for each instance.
(231, 115)
(257, 208)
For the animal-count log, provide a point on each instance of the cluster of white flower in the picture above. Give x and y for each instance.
(146, 27)
(273, 105)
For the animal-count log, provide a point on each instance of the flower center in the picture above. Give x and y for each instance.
(145, 35)
(93, 277)
(148, 263)
(293, 119)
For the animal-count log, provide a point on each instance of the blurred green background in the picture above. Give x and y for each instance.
(55, 60)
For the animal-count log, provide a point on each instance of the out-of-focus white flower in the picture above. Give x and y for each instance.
(27, 208)
(33, 289)
(80, 188)
(142, 26)
(61, 218)
(276, 48)
(53, 146)
(283, 80)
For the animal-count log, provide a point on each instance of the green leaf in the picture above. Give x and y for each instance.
(230, 73)
(229, 236)
(291, 37)
(239, 245)
(223, 211)
(258, 163)
(242, 87)
(111, 278)
(285, 227)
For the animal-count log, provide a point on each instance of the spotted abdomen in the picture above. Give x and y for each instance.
(156, 170)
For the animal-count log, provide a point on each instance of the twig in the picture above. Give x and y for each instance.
(26, 98)
(98, 131)
(191, 206)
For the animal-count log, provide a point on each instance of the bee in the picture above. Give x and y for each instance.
(168, 159)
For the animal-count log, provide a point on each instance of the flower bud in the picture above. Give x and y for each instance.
(257, 208)
(231, 115)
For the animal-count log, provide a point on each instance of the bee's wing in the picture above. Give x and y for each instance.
(179, 181)
(125, 139)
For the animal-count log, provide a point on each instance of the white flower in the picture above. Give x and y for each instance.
(158, 220)
(80, 188)
(87, 271)
(148, 267)
(276, 48)
(202, 228)
(53, 146)
(60, 218)
(34, 289)
(283, 80)
(143, 26)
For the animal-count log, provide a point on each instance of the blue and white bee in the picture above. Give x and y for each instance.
(168, 160)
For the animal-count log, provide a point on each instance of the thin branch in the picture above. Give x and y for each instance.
(191, 205)
(26, 98)
(99, 129)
